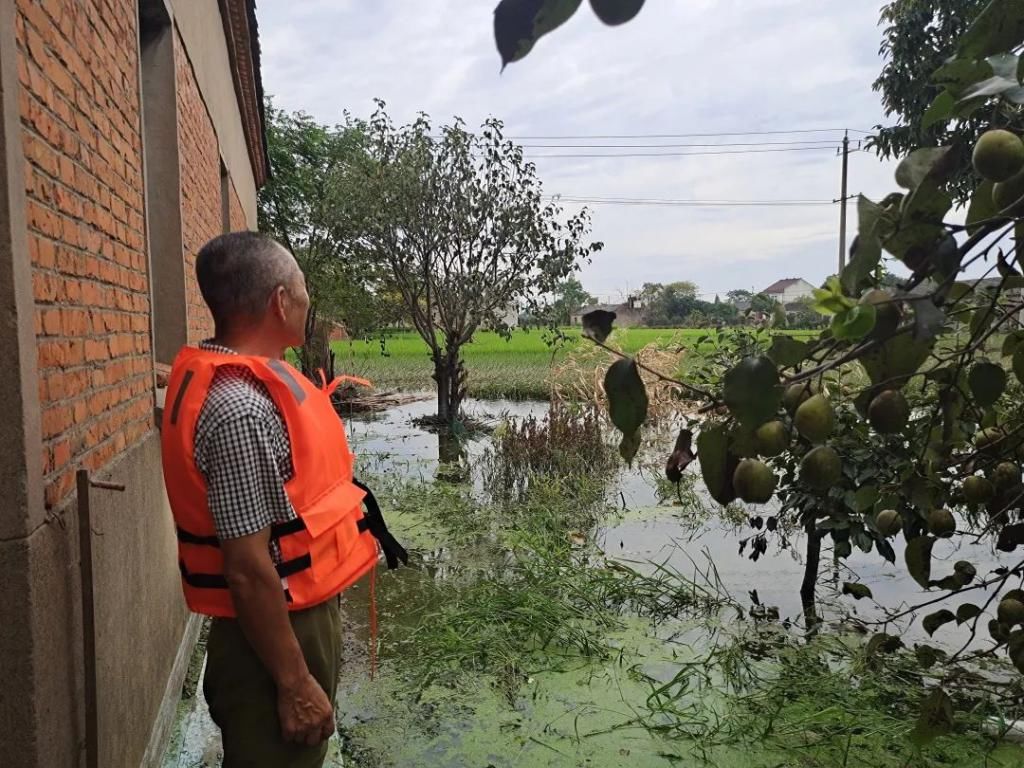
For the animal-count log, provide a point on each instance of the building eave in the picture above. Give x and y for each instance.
(241, 31)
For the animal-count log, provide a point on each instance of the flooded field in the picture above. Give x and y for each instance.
(603, 619)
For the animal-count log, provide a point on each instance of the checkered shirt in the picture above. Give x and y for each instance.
(243, 452)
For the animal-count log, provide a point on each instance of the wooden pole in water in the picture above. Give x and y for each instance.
(92, 752)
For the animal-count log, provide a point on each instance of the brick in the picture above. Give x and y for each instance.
(96, 350)
(58, 488)
(56, 420)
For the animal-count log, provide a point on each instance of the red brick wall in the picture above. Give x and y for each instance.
(201, 210)
(236, 212)
(77, 64)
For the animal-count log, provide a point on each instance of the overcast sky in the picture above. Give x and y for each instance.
(681, 67)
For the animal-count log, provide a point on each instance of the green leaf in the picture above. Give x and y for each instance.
(936, 718)
(843, 549)
(927, 655)
(920, 165)
(831, 300)
(958, 74)
(865, 498)
(948, 582)
(787, 352)
(518, 24)
(883, 643)
(752, 392)
(598, 325)
(865, 256)
(982, 206)
(987, 382)
(855, 323)
(920, 230)
(935, 620)
(1011, 342)
(716, 463)
(1010, 537)
(918, 556)
(865, 541)
(940, 111)
(898, 358)
(966, 612)
(628, 446)
(998, 28)
(1003, 87)
(885, 550)
(869, 215)
(615, 12)
(1004, 82)
(858, 591)
(627, 396)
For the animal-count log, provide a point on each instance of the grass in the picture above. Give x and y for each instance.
(518, 368)
(514, 640)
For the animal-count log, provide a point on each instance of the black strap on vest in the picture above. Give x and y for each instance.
(277, 531)
(217, 580)
(373, 521)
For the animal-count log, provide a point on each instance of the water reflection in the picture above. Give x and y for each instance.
(694, 539)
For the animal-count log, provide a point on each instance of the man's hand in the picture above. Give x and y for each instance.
(305, 712)
(306, 715)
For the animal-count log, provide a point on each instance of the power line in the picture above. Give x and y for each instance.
(723, 144)
(686, 135)
(830, 148)
(688, 203)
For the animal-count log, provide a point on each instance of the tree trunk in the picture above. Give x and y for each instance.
(316, 353)
(450, 375)
(807, 588)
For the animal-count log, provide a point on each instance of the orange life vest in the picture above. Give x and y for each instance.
(328, 546)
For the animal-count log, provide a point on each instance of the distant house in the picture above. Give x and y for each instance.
(789, 290)
(337, 332)
(627, 315)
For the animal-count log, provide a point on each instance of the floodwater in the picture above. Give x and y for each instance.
(564, 716)
(649, 530)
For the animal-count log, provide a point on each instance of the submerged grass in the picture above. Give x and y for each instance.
(529, 646)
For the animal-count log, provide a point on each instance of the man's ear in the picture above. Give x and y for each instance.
(279, 302)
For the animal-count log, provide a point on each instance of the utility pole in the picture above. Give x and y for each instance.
(842, 201)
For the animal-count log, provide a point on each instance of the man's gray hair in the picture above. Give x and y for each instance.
(238, 272)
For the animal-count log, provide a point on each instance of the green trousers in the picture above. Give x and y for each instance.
(243, 698)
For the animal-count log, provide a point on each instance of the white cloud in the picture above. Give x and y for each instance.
(700, 66)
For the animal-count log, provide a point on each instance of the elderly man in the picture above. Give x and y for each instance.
(269, 516)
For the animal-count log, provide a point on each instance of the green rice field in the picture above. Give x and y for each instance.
(517, 368)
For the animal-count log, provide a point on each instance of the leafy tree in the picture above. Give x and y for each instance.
(570, 297)
(306, 206)
(738, 295)
(919, 37)
(456, 224)
(905, 416)
(805, 316)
